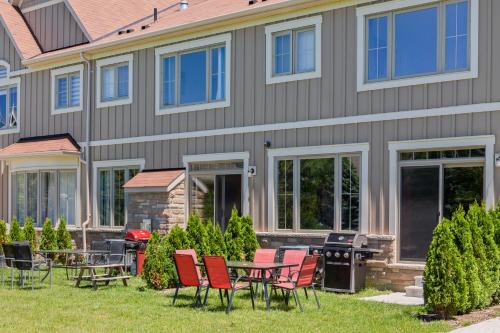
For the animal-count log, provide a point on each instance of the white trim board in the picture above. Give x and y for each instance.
(486, 141)
(362, 12)
(109, 164)
(273, 154)
(388, 116)
(186, 46)
(62, 71)
(314, 21)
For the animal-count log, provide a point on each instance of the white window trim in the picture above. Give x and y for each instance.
(53, 91)
(289, 25)
(274, 154)
(112, 61)
(12, 82)
(186, 46)
(96, 165)
(361, 14)
(486, 141)
(219, 157)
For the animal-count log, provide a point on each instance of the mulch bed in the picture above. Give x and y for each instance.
(476, 316)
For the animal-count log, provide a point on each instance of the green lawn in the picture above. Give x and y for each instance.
(119, 309)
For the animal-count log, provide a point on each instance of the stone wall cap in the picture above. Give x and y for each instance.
(419, 267)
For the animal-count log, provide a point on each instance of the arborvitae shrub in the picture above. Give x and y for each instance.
(496, 223)
(64, 241)
(197, 235)
(250, 243)
(444, 275)
(463, 240)
(15, 234)
(215, 239)
(3, 234)
(476, 214)
(48, 239)
(158, 270)
(233, 237)
(29, 233)
(178, 239)
(487, 227)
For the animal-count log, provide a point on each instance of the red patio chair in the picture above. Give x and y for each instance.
(304, 279)
(192, 253)
(188, 276)
(262, 256)
(218, 278)
(291, 257)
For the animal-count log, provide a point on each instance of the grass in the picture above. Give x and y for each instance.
(128, 309)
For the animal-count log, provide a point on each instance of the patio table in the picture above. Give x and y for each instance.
(77, 252)
(262, 267)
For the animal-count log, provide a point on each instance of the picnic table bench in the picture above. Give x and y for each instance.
(106, 277)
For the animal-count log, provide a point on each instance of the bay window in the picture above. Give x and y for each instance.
(193, 76)
(45, 194)
(400, 44)
(318, 192)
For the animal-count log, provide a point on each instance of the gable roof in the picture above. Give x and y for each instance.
(20, 34)
(41, 145)
(154, 179)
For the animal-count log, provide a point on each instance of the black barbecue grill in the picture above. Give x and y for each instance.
(344, 265)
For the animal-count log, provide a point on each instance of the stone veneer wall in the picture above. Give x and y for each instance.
(382, 271)
(165, 209)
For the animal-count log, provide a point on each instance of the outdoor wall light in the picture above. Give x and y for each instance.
(267, 144)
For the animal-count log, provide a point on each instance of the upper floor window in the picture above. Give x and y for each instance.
(193, 75)
(67, 89)
(114, 81)
(401, 46)
(9, 100)
(293, 50)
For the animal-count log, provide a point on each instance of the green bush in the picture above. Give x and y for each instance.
(233, 237)
(197, 235)
(463, 240)
(15, 234)
(475, 217)
(158, 270)
(445, 285)
(64, 241)
(29, 233)
(487, 228)
(3, 235)
(48, 238)
(250, 243)
(178, 239)
(216, 239)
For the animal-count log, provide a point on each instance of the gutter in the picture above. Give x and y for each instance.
(87, 151)
(193, 24)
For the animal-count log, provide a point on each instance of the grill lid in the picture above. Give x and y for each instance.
(138, 235)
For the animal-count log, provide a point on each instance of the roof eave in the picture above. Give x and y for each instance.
(39, 154)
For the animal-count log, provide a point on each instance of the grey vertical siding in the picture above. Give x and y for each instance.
(8, 50)
(30, 3)
(55, 27)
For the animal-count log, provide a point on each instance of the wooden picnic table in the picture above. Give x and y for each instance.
(106, 277)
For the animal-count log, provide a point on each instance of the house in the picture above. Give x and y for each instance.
(377, 117)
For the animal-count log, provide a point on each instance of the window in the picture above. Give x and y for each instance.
(111, 195)
(293, 50)
(114, 81)
(434, 183)
(67, 89)
(9, 100)
(318, 192)
(193, 75)
(45, 194)
(401, 45)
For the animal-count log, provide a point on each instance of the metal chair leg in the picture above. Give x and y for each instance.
(197, 296)
(315, 296)
(252, 295)
(176, 292)
(32, 279)
(206, 296)
(220, 296)
(228, 309)
(297, 300)
(305, 292)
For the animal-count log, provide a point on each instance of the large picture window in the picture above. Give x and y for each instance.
(318, 192)
(406, 44)
(45, 194)
(193, 75)
(111, 195)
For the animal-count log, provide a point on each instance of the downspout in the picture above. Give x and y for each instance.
(87, 152)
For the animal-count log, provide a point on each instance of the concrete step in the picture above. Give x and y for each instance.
(414, 291)
(419, 281)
